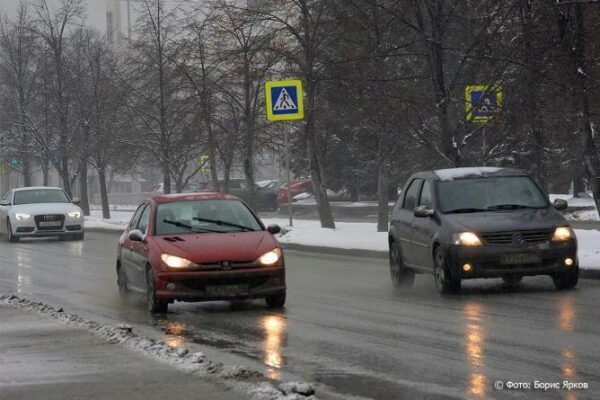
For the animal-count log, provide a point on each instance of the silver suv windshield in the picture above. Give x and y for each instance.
(490, 194)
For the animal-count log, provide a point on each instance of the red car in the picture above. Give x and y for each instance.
(200, 247)
(298, 186)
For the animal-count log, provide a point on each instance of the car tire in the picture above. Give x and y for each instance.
(155, 305)
(402, 277)
(122, 282)
(566, 279)
(275, 300)
(512, 279)
(9, 233)
(445, 282)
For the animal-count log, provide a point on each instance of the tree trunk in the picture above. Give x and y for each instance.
(45, 170)
(316, 165)
(64, 171)
(382, 196)
(83, 189)
(103, 193)
(166, 170)
(591, 154)
(227, 172)
(249, 173)
(579, 188)
(532, 113)
(26, 170)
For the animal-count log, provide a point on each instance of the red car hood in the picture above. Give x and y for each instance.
(212, 247)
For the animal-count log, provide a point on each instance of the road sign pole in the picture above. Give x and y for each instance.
(484, 146)
(284, 102)
(286, 140)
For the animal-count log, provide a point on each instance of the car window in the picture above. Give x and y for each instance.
(136, 217)
(490, 194)
(37, 196)
(243, 184)
(425, 199)
(196, 216)
(144, 219)
(234, 184)
(410, 199)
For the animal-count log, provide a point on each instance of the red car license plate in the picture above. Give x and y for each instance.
(520, 258)
(227, 290)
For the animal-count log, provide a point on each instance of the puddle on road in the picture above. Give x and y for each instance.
(270, 340)
(372, 387)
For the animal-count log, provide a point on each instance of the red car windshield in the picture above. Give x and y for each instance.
(204, 216)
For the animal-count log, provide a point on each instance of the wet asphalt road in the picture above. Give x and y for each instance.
(345, 326)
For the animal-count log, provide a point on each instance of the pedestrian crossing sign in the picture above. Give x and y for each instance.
(483, 102)
(284, 100)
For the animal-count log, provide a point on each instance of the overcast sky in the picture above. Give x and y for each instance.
(96, 11)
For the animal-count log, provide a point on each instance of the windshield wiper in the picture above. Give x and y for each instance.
(224, 223)
(464, 210)
(510, 207)
(188, 227)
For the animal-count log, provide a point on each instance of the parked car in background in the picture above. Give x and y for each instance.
(200, 247)
(270, 184)
(189, 188)
(266, 199)
(40, 212)
(298, 186)
(467, 223)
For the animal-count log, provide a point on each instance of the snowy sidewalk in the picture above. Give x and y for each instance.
(40, 358)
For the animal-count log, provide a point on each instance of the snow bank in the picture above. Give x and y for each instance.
(347, 235)
(354, 235)
(236, 377)
(589, 248)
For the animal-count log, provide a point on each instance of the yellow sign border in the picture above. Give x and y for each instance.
(269, 101)
(478, 88)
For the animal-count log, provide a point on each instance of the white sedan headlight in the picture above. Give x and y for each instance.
(75, 214)
(271, 258)
(22, 216)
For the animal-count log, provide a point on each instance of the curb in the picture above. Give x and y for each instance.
(584, 273)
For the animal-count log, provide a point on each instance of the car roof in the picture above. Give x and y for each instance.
(36, 188)
(168, 198)
(449, 174)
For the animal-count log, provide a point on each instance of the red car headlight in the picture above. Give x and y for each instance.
(270, 258)
(177, 262)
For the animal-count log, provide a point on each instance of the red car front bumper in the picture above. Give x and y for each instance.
(247, 283)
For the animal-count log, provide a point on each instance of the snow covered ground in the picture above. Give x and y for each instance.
(235, 377)
(349, 235)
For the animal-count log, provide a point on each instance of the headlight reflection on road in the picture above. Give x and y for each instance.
(567, 320)
(568, 370)
(474, 348)
(174, 330)
(23, 273)
(567, 314)
(274, 330)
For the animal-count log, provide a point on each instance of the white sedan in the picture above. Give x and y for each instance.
(40, 211)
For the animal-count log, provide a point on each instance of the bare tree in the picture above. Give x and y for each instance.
(52, 26)
(19, 73)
